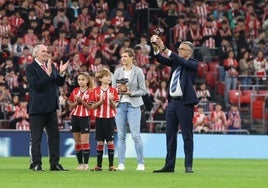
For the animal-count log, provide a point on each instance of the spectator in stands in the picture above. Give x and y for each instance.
(218, 118)
(102, 5)
(73, 11)
(47, 25)
(160, 95)
(224, 33)
(203, 95)
(253, 26)
(233, 118)
(180, 30)
(169, 18)
(259, 44)
(140, 16)
(202, 9)
(61, 44)
(23, 87)
(64, 111)
(234, 14)
(231, 73)
(26, 58)
(20, 118)
(84, 19)
(12, 80)
(194, 34)
(100, 18)
(61, 18)
(246, 69)
(97, 65)
(219, 12)
(201, 120)
(30, 38)
(18, 48)
(40, 8)
(260, 66)
(120, 6)
(209, 33)
(142, 60)
(118, 19)
(145, 47)
(5, 27)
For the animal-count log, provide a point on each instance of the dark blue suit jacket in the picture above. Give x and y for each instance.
(187, 76)
(43, 89)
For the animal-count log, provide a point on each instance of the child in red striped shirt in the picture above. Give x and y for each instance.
(80, 106)
(104, 99)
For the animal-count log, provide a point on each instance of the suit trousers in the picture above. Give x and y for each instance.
(179, 114)
(38, 123)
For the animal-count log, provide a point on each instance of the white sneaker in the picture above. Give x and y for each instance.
(80, 167)
(121, 166)
(140, 167)
(85, 166)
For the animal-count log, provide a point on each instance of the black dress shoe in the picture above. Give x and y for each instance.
(164, 170)
(189, 170)
(37, 168)
(31, 166)
(57, 167)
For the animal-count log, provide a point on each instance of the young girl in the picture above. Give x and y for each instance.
(104, 99)
(218, 118)
(80, 121)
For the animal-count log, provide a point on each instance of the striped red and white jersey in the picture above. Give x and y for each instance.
(142, 5)
(210, 42)
(80, 110)
(180, 32)
(105, 110)
(84, 20)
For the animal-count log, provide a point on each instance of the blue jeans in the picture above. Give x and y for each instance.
(230, 84)
(128, 115)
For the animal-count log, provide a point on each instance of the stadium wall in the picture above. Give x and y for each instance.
(16, 143)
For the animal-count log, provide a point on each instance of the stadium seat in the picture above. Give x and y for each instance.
(234, 96)
(263, 93)
(211, 78)
(202, 69)
(246, 96)
(213, 66)
(220, 88)
(258, 109)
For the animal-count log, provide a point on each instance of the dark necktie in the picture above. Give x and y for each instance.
(175, 80)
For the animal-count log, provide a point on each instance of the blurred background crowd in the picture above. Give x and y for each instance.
(92, 33)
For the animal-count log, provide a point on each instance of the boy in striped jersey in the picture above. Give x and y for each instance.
(104, 99)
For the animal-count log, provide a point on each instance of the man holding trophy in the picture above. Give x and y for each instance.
(181, 99)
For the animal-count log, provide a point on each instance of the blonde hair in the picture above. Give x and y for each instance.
(129, 51)
(101, 73)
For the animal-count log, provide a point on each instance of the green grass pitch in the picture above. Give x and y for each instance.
(209, 173)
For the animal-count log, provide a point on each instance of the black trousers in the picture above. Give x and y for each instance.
(38, 123)
(179, 114)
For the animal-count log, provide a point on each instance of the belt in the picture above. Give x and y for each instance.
(176, 98)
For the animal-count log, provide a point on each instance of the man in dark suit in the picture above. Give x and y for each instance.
(181, 100)
(43, 80)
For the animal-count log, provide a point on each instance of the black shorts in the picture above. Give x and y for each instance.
(105, 129)
(80, 124)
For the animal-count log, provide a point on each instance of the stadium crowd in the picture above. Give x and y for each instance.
(92, 33)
